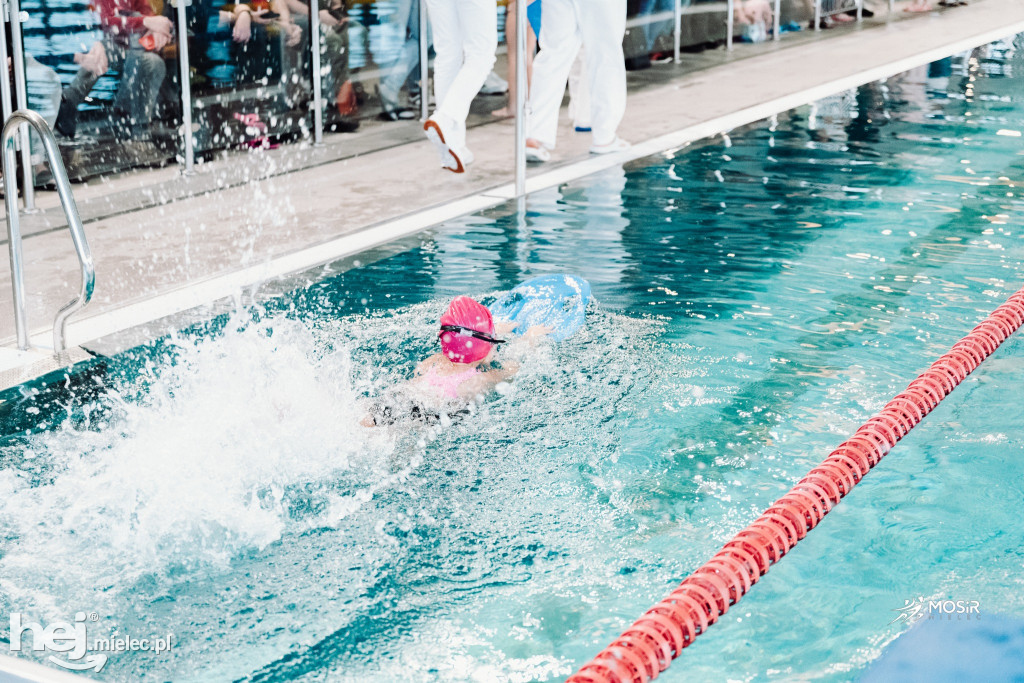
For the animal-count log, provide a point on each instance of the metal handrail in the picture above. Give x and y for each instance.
(67, 202)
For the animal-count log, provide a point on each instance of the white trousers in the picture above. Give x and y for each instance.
(579, 92)
(599, 26)
(465, 39)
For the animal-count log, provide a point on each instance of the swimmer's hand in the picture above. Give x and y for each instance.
(503, 328)
(534, 334)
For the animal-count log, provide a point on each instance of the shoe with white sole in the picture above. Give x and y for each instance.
(537, 155)
(494, 85)
(616, 145)
(465, 155)
(449, 158)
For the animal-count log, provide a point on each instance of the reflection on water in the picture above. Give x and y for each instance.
(758, 296)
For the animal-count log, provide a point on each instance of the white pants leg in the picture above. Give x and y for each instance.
(579, 91)
(465, 40)
(444, 23)
(560, 40)
(603, 24)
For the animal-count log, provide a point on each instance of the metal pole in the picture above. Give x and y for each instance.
(777, 29)
(318, 95)
(522, 28)
(28, 191)
(14, 245)
(10, 129)
(677, 11)
(892, 7)
(860, 11)
(5, 83)
(186, 87)
(729, 8)
(817, 15)
(10, 165)
(424, 66)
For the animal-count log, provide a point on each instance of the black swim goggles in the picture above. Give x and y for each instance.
(475, 334)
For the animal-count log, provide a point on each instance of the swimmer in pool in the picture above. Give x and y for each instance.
(446, 382)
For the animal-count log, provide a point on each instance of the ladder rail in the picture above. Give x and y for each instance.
(67, 201)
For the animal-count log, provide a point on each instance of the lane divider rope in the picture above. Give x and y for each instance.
(647, 647)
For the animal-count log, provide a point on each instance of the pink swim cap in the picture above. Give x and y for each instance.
(471, 315)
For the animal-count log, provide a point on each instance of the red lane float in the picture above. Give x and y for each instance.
(664, 631)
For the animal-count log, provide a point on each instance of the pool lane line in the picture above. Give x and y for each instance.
(654, 640)
(218, 287)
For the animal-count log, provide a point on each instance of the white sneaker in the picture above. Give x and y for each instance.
(494, 85)
(449, 158)
(465, 155)
(537, 155)
(616, 145)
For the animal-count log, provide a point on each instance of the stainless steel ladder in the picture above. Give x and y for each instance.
(67, 201)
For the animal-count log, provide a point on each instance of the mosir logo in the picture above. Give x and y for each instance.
(915, 610)
(72, 641)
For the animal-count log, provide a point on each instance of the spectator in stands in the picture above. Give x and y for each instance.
(465, 39)
(46, 95)
(133, 38)
(599, 26)
(254, 34)
(333, 45)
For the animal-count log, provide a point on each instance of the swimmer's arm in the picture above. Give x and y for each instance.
(503, 328)
(534, 334)
(425, 364)
(485, 381)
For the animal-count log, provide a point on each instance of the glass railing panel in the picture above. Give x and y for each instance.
(102, 76)
(250, 73)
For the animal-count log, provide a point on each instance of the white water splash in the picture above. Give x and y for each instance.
(243, 438)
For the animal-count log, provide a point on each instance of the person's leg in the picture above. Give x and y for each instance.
(336, 51)
(295, 62)
(666, 27)
(478, 24)
(579, 92)
(444, 22)
(511, 45)
(445, 133)
(645, 10)
(44, 97)
(76, 92)
(559, 42)
(531, 50)
(407, 18)
(73, 95)
(603, 24)
(140, 84)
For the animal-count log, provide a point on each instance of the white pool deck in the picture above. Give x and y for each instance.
(159, 251)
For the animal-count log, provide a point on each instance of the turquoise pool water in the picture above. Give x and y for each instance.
(758, 297)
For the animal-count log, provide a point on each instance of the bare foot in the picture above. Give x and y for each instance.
(504, 113)
(919, 7)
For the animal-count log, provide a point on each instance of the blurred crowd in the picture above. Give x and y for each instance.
(250, 67)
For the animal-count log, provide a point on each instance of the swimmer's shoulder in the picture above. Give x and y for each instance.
(429, 362)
